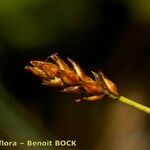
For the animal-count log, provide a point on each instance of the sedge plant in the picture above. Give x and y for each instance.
(74, 80)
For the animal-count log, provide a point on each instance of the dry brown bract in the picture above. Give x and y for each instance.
(59, 74)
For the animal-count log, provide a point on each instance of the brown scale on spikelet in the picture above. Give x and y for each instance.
(59, 74)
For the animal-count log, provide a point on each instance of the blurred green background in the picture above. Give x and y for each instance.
(110, 35)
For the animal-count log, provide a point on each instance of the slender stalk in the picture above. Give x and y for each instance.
(134, 104)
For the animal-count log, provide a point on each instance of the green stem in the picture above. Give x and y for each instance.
(134, 104)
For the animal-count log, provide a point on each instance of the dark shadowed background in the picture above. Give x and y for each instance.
(109, 35)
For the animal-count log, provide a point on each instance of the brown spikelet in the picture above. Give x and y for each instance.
(73, 80)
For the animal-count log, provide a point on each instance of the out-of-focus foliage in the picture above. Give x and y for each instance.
(28, 23)
(15, 123)
(140, 10)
